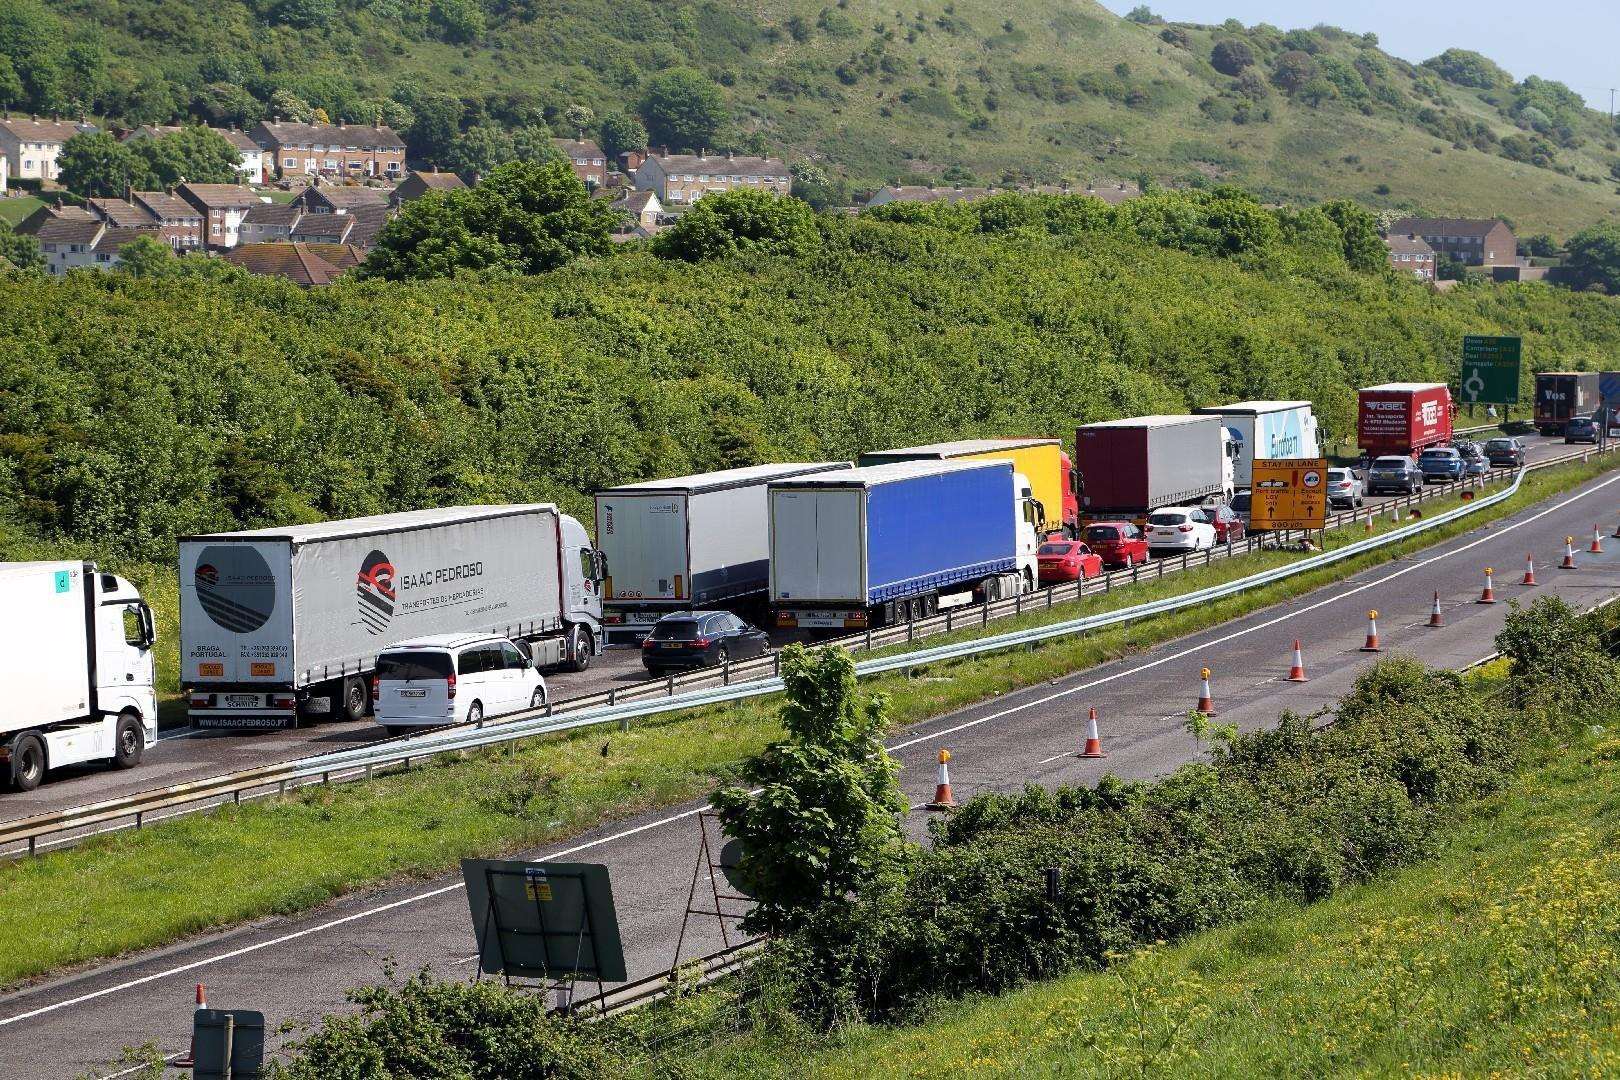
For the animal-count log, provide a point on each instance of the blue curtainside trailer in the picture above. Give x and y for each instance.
(884, 543)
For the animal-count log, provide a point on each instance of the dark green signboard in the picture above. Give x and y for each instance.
(1490, 371)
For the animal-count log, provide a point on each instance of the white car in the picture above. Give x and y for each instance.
(1179, 528)
(1344, 488)
(453, 679)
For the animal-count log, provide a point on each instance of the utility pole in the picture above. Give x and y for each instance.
(1611, 106)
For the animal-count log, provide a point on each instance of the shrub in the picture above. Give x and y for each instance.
(1231, 56)
(740, 222)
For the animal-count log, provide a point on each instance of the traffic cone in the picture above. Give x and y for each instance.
(1529, 570)
(1372, 634)
(1370, 520)
(190, 1058)
(942, 790)
(1569, 554)
(1435, 618)
(1489, 595)
(1616, 534)
(1093, 740)
(1597, 541)
(1206, 702)
(1297, 672)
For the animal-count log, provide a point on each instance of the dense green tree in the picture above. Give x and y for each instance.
(1293, 71)
(1364, 246)
(621, 132)
(1230, 56)
(435, 124)
(1594, 258)
(683, 109)
(1141, 13)
(11, 86)
(523, 218)
(810, 183)
(1468, 68)
(738, 222)
(289, 106)
(145, 256)
(94, 164)
(19, 251)
(304, 14)
(193, 153)
(460, 20)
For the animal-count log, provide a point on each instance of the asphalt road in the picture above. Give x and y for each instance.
(299, 968)
(190, 755)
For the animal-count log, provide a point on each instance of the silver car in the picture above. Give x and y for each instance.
(1344, 488)
(1394, 475)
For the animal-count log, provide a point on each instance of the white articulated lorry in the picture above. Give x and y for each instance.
(282, 623)
(688, 543)
(76, 661)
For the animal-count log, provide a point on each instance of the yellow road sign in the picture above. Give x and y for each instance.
(1289, 493)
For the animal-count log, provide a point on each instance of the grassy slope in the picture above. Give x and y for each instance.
(913, 118)
(327, 841)
(1497, 956)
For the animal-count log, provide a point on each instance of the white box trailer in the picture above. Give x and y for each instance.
(282, 622)
(1267, 430)
(76, 661)
(688, 543)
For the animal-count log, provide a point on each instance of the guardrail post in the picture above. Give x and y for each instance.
(1161, 569)
(281, 789)
(911, 631)
(1184, 560)
(1229, 544)
(868, 635)
(326, 778)
(138, 819)
(1018, 600)
(32, 840)
(949, 618)
(725, 672)
(1079, 592)
(669, 686)
(1208, 554)
(984, 613)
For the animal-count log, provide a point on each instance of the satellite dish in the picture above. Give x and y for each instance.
(730, 856)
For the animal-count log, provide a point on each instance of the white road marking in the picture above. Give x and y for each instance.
(1054, 757)
(232, 954)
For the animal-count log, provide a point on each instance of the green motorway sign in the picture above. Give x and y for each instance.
(1490, 371)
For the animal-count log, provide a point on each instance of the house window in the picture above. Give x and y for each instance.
(214, 228)
(290, 163)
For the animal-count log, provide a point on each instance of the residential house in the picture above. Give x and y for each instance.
(590, 164)
(1410, 254)
(73, 244)
(321, 198)
(353, 150)
(682, 179)
(223, 207)
(179, 224)
(30, 225)
(30, 146)
(1114, 194)
(268, 223)
(5, 174)
(302, 264)
(250, 155)
(1471, 241)
(641, 211)
(419, 183)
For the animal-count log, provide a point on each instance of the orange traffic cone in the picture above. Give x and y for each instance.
(942, 789)
(1569, 554)
(1616, 534)
(1597, 541)
(1529, 570)
(1370, 521)
(190, 1058)
(1372, 634)
(1435, 618)
(1489, 595)
(1206, 701)
(1297, 672)
(1093, 740)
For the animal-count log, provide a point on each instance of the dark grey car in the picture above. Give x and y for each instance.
(700, 639)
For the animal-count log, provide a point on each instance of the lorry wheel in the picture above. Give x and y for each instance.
(579, 650)
(129, 742)
(351, 699)
(27, 762)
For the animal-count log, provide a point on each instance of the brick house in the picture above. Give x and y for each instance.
(353, 150)
(302, 264)
(223, 207)
(590, 164)
(321, 198)
(640, 211)
(178, 223)
(419, 183)
(31, 146)
(1471, 241)
(75, 244)
(1411, 254)
(250, 155)
(682, 179)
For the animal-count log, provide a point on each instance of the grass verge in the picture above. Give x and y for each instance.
(132, 890)
(1495, 957)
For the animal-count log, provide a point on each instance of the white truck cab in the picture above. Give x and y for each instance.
(76, 653)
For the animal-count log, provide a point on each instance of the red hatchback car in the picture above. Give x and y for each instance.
(1066, 560)
(1118, 543)
(1228, 523)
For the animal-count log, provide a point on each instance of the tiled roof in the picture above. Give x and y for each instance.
(323, 228)
(294, 134)
(634, 202)
(439, 181)
(368, 222)
(344, 196)
(298, 263)
(113, 240)
(238, 139)
(579, 148)
(220, 196)
(273, 214)
(1404, 244)
(166, 207)
(31, 224)
(1445, 226)
(122, 213)
(918, 193)
(69, 231)
(720, 165)
(47, 131)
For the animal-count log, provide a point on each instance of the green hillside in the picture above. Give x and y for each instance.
(952, 91)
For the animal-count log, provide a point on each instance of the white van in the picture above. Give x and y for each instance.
(453, 679)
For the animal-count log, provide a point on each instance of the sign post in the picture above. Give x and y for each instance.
(1289, 493)
(1490, 370)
